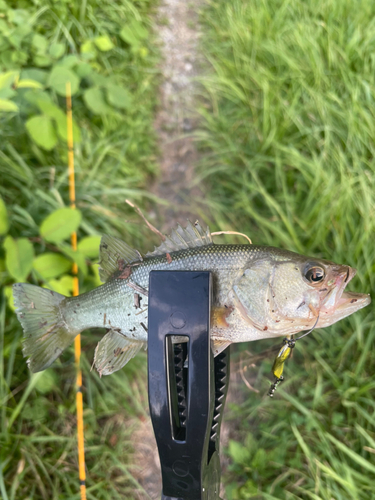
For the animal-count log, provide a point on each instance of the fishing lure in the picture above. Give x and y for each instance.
(284, 353)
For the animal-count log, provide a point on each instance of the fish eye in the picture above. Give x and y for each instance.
(315, 274)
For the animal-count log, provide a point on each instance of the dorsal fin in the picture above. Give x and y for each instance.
(114, 255)
(180, 239)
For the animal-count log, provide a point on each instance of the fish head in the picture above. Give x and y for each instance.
(289, 293)
(334, 302)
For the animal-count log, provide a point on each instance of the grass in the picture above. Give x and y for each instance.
(287, 136)
(38, 428)
(114, 142)
(114, 161)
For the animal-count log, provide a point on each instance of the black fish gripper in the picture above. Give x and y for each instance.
(187, 387)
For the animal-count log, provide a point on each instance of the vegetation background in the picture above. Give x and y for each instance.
(287, 156)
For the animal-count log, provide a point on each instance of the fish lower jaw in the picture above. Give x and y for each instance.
(347, 304)
(353, 299)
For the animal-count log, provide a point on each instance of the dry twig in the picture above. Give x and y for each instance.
(149, 225)
(247, 383)
(232, 232)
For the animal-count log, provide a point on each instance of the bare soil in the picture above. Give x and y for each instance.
(179, 31)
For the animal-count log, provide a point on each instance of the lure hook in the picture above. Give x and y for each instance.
(282, 356)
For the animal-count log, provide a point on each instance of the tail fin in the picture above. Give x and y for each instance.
(45, 332)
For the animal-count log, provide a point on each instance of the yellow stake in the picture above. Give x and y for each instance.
(77, 341)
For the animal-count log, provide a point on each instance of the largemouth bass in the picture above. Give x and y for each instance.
(259, 292)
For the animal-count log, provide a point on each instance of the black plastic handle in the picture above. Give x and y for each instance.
(187, 388)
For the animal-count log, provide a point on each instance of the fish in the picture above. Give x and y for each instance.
(258, 292)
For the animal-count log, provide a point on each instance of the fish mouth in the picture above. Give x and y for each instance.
(339, 304)
(353, 300)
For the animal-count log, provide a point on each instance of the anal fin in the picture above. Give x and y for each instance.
(114, 351)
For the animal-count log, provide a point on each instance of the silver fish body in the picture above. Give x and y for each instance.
(117, 305)
(259, 292)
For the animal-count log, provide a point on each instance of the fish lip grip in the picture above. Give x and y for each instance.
(187, 387)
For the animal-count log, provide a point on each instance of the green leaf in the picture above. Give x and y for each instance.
(50, 109)
(39, 43)
(18, 16)
(64, 285)
(98, 79)
(7, 93)
(127, 35)
(56, 50)
(4, 222)
(50, 265)
(139, 29)
(8, 106)
(42, 131)
(47, 382)
(239, 453)
(42, 61)
(83, 70)
(7, 79)
(76, 257)
(88, 49)
(31, 84)
(6, 58)
(69, 61)
(134, 33)
(61, 122)
(19, 34)
(89, 246)
(59, 77)
(60, 224)
(95, 280)
(35, 95)
(19, 57)
(40, 75)
(16, 41)
(104, 43)
(118, 96)
(8, 291)
(47, 107)
(259, 460)
(19, 257)
(94, 101)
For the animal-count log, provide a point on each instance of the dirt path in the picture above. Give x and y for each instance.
(178, 29)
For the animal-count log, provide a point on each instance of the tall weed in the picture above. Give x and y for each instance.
(287, 128)
(107, 52)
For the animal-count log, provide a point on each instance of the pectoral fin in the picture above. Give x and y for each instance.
(251, 294)
(219, 346)
(114, 351)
